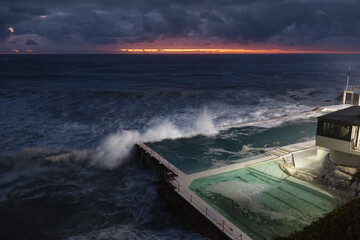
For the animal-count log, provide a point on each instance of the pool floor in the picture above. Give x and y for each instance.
(262, 201)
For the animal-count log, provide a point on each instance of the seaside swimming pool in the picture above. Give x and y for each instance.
(259, 199)
(231, 146)
(262, 201)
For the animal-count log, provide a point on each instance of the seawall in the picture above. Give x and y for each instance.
(176, 202)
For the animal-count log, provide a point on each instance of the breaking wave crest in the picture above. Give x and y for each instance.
(115, 149)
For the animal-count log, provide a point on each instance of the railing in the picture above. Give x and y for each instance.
(209, 213)
(329, 103)
(158, 157)
(194, 200)
(355, 88)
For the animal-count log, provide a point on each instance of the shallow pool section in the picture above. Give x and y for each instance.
(262, 201)
(231, 146)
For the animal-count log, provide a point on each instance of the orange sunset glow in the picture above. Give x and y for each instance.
(181, 27)
(218, 51)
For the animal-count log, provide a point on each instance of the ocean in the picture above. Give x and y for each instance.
(68, 124)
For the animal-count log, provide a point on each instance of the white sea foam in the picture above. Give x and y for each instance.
(115, 148)
(204, 124)
(266, 116)
(165, 130)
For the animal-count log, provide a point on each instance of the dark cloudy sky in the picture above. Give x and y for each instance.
(78, 26)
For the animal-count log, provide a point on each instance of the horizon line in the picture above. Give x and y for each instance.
(184, 51)
(225, 51)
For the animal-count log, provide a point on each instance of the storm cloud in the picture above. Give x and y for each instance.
(103, 22)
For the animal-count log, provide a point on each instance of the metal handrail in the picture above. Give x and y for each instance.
(354, 88)
(330, 103)
(220, 222)
(159, 158)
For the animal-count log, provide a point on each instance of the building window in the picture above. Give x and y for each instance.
(334, 130)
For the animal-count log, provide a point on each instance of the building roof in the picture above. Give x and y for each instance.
(349, 116)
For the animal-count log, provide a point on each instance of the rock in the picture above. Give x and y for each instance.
(327, 164)
(354, 186)
(337, 183)
(341, 175)
(347, 170)
(329, 175)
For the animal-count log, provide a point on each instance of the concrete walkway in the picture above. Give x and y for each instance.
(181, 183)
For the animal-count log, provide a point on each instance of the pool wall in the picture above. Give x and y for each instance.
(170, 195)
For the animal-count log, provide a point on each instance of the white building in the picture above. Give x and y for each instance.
(339, 132)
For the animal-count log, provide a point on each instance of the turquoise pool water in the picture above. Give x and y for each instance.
(262, 201)
(230, 146)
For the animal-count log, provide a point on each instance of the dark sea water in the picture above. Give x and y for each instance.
(67, 123)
